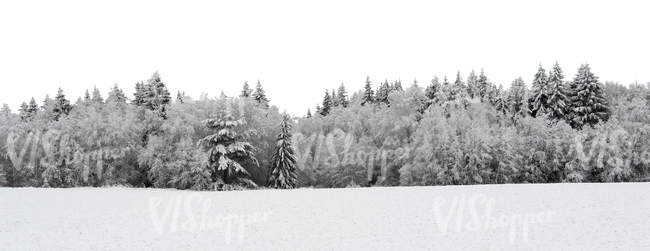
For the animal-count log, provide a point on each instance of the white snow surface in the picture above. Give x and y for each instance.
(612, 216)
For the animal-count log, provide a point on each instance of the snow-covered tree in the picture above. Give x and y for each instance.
(368, 94)
(282, 171)
(557, 99)
(260, 95)
(588, 105)
(246, 91)
(539, 93)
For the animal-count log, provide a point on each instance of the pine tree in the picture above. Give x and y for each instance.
(23, 112)
(432, 88)
(61, 106)
(558, 101)
(308, 113)
(32, 109)
(459, 88)
(343, 96)
(156, 95)
(282, 171)
(482, 86)
(48, 104)
(517, 97)
(97, 96)
(139, 95)
(381, 96)
(260, 95)
(539, 93)
(226, 148)
(472, 82)
(334, 98)
(588, 105)
(327, 104)
(116, 95)
(318, 109)
(368, 94)
(87, 96)
(5, 110)
(246, 92)
(398, 85)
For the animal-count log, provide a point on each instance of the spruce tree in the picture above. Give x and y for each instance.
(381, 96)
(327, 104)
(343, 96)
(32, 109)
(260, 95)
(116, 95)
(5, 110)
(588, 105)
(517, 97)
(139, 95)
(156, 95)
(558, 101)
(226, 148)
(246, 92)
(97, 96)
(87, 96)
(23, 112)
(368, 94)
(472, 84)
(398, 85)
(334, 98)
(432, 88)
(459, 88)
(482, 86)
(282, 171)
(318, 109)
(539, 93)
(48, 104)
(61, 105)
(308, 113)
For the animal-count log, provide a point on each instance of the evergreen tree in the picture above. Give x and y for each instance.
(588, 105)
(260, 95)
(282, 171)
(32, 109)
(61, 106)
(482, 86)
(517, 97)
(97, 96)
(472, 82)
(334, 98)
(23, 112)
(5, 110)
(246, 92)
(48, 104)
(327, 104)
(342, 96)
(398, 85)
(381, 96)
(539, 93)
(156, 95)
(116, 95)
(558, 101)
(415, 82)
(139, 95)
(226, 148)
(432, 88)
(87, 96)
(308, 113)
(318, 109)
(459, 89)
(447, 89)
(500, 102)
(368, 94)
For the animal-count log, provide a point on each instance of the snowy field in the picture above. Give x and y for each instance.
(495, 217)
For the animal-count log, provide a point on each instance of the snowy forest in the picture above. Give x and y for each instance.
(456, 131)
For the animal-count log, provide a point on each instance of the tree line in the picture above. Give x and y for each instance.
(466, 132)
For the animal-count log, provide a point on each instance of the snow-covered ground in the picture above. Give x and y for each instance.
(557, 217)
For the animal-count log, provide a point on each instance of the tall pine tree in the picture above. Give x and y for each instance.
(558, 101)
(588, 104)
(61, 106)
(282, 171)
(472, 80)
(368, 94)
(539, 93)
(246, 91)
(327, 104)
(260, 95)
(342, 96)
(517, 101)
(116, 95)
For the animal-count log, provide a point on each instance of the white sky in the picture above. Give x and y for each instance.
(299, 49)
